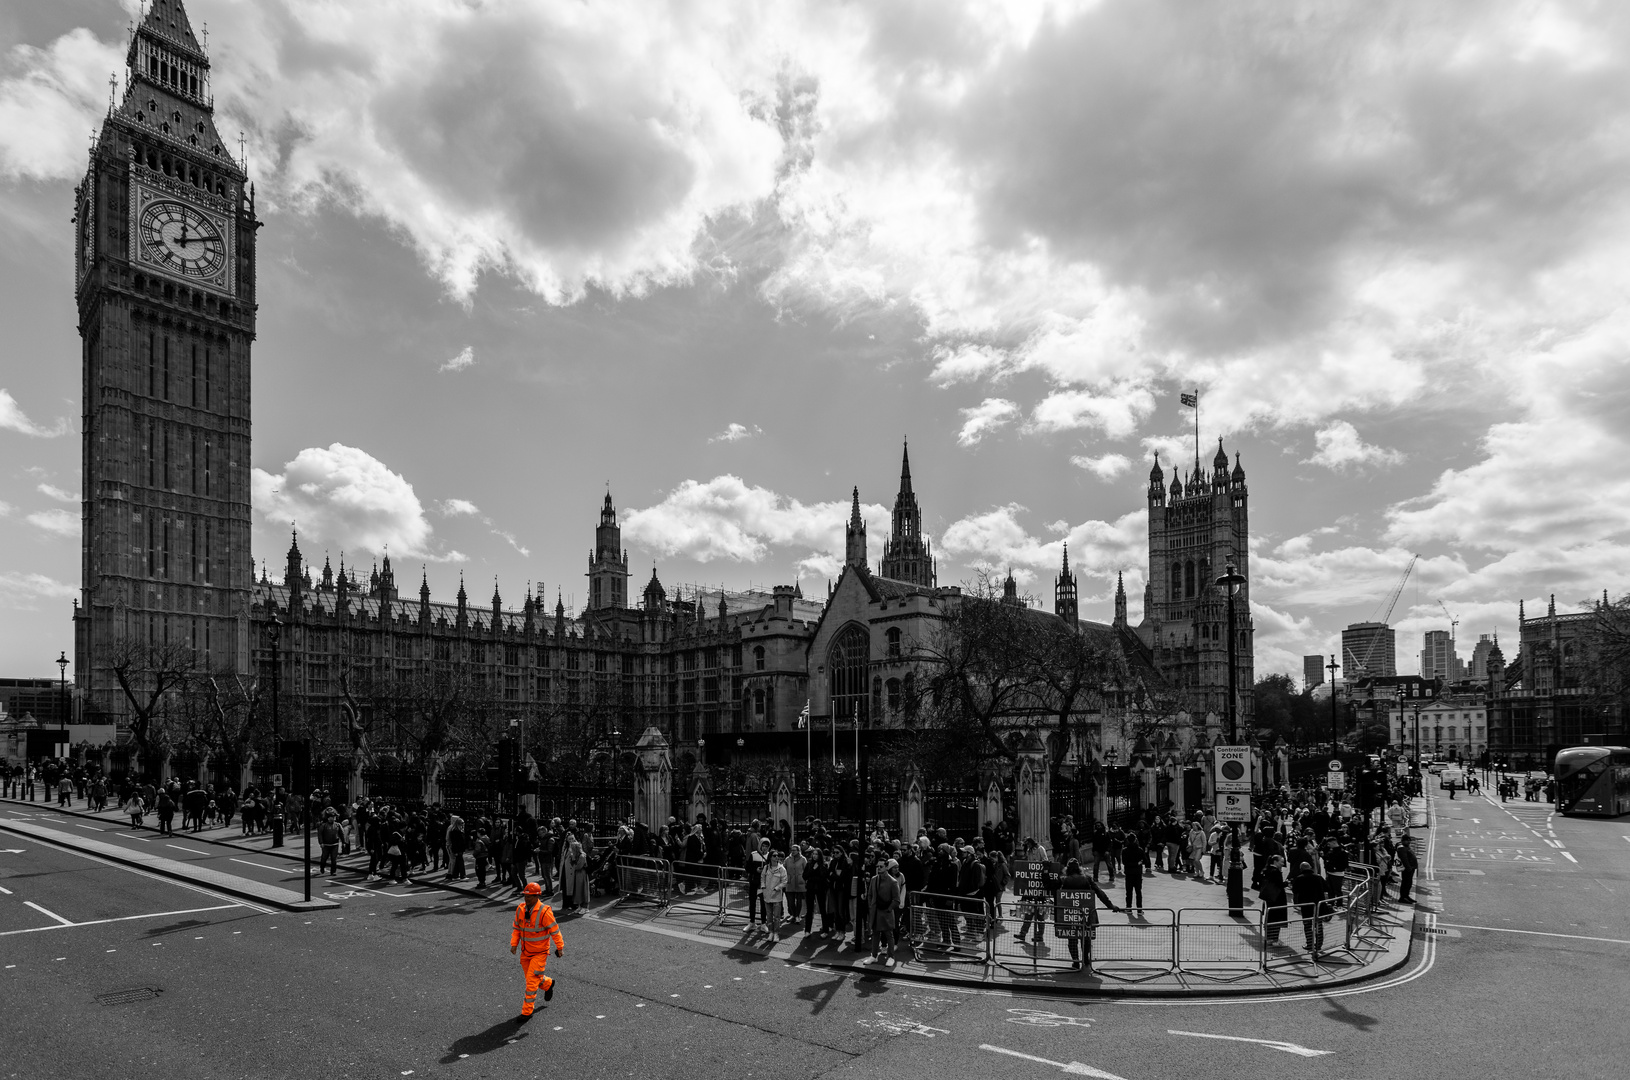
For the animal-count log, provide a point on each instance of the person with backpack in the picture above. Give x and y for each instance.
(165, 809)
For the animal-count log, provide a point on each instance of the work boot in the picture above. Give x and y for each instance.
(523, 1018)
(549, 991)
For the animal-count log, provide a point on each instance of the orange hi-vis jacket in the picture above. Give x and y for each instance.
(532, 933)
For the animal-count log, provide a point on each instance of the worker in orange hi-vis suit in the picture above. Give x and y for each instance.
(533, 927)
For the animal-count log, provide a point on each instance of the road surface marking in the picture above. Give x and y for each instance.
(133, 836)
(194, 850)
(48, 914)
(5, 890)
(1537, 933)
(122, 918)
(1037, 1018)
(275, 869)
(1073, 1067)
(77, 825)
(1274, 1044)
(1569, 856)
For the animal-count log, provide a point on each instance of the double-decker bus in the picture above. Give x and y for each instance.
(1593, 780)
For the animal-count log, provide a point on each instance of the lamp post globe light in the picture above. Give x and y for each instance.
(62, 689)
(1332, 667)
(1230, 581)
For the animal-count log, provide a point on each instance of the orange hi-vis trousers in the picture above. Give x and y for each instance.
(532, 964)
(534, 933)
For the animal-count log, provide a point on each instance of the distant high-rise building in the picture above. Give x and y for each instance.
(1369, 649)
(1439, 660)
(1478, 668)
(1312, 671)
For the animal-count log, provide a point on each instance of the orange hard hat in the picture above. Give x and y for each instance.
(533, 889)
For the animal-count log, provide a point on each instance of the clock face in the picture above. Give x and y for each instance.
(182, 239)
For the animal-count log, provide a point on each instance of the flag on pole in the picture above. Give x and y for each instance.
(1190, 401)
(803, 716)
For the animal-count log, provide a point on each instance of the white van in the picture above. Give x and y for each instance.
(1452, 776)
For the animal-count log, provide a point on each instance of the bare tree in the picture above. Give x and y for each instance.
(236, 706)
(976, 674)
(150, 675)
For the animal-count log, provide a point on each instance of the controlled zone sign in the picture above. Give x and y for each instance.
(1233, 807)
(1233, 768)
(1336, 781)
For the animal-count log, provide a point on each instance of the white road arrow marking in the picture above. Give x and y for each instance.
(1074, 1068)
(1274, 1044)
(12, 851)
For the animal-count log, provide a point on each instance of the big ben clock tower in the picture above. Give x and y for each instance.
(165, 278)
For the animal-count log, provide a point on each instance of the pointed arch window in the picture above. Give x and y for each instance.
(848, 661)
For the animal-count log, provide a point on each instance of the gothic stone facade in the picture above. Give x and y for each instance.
(165, 282)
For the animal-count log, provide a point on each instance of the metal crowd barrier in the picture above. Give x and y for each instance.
(644, 879)
(947, 929)
(1144, 944)
(1213, 942)
(695, 888)
(735, 896)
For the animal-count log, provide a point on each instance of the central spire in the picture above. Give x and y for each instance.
(854, 535)
(905, 468)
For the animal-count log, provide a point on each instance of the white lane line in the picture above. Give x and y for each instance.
(1075, 1068)
(78, 825)
(194, 850)
(1274, 1044)
(47, 914)
(1569, 856)
(1536, 933)
(5, 890)
(133, 836)
(275, 869)
(124, 918)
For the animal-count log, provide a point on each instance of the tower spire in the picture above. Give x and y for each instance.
(854, 535)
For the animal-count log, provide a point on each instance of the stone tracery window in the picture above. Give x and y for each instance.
(847, 662)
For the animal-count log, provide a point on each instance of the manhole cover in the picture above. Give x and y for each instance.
(125, 997)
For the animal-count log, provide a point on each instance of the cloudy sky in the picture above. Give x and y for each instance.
(725, 257)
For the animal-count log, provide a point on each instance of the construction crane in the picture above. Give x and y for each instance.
(1386, 618)
(1454, 623)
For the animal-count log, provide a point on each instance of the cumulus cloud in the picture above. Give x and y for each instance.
(57, 522)
(55, 99)
(1104, 467)
(1116, 413)
(736, 432)
(346, 496)
(13, 417)
(459, 507)
(20, 591)
(1339, 447)
(997, 540)
(464, 359)
(51, 491)
(727, 518)
(984, 418)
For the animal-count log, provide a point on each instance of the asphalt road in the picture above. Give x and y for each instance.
(284, 868)
(425, 986)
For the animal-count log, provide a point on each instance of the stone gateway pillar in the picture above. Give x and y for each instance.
(653, 780)
(700, 800)
(911, 805)
(1033, 789)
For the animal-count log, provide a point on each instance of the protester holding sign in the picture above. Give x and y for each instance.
(1077, 914)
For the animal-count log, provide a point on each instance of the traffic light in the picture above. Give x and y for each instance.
(506, 763)
(297, 752)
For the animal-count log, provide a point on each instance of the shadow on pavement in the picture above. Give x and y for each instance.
(500, 1034)
(175, 927)
(1341, 1014)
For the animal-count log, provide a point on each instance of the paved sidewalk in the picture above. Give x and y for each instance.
(1383, 947)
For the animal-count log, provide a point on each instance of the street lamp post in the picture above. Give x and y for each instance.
(62, 689)
(274, 634)
(1230, 581)
(1335, 738)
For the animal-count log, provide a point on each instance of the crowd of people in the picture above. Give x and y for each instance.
(858, 887)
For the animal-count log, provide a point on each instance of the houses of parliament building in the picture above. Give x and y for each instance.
(165, 282)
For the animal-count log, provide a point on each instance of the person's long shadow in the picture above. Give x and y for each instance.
(1341, 1014)
(485, 1042)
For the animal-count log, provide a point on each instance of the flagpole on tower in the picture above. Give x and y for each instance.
(1196, 429)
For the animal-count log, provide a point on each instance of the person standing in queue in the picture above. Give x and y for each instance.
(530, 933)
